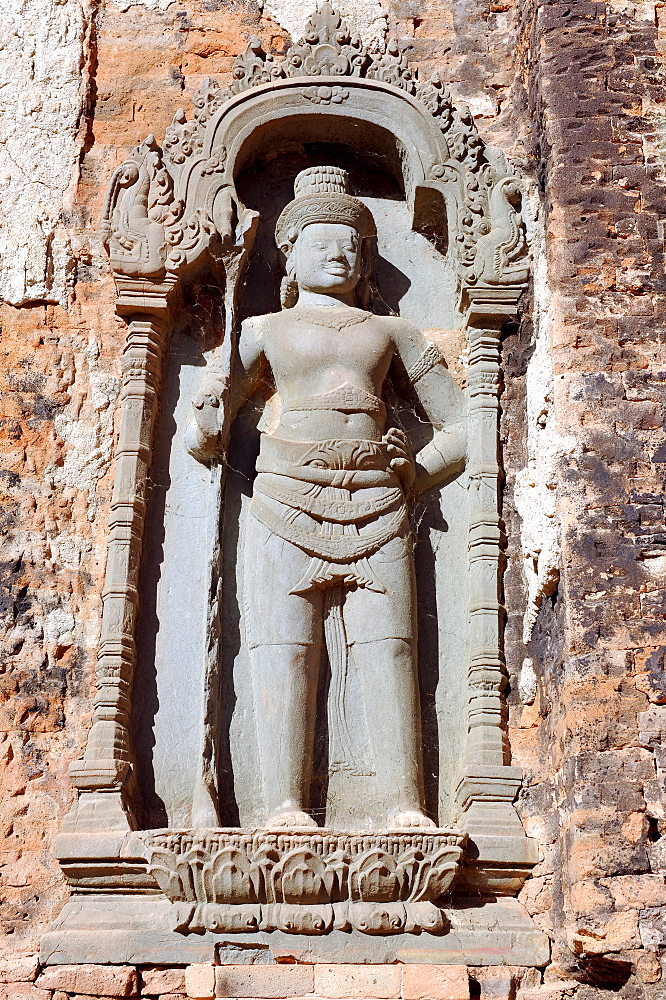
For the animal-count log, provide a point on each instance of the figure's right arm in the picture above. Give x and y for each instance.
(222, 397)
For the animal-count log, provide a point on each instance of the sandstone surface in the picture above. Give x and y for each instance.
(573, 93)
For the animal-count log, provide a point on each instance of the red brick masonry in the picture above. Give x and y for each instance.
(22, 979)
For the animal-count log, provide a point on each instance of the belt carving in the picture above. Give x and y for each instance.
(333, 510)
(337, 548)
(345, 399)
(315, 463)
(341, 463)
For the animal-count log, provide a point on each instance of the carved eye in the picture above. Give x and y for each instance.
(129, 175)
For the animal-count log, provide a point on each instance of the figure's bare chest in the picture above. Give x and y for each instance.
(299, 347)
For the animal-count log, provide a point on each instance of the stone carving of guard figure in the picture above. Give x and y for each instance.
(328, 549)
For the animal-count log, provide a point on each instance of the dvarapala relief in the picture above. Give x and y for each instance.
(299, 729)
(328, 546)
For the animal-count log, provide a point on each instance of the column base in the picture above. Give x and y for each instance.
(499, 856)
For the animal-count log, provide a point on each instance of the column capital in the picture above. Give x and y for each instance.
(137, 296)
(489, 306)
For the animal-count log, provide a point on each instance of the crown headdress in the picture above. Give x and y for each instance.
(322, 195)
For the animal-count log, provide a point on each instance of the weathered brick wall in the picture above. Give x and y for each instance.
(591, 84)
(572, 92)
(276, 982)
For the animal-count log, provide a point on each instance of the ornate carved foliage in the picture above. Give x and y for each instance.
(227, 880)
(140, 210)
(254, 67)
(147, 231)
(328, 48)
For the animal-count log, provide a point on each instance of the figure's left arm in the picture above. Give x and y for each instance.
(443, 401)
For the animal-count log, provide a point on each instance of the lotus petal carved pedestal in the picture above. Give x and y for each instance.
(241, 896)
(305, 883)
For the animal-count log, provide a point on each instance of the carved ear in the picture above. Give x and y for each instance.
(368, 255)
(364, 289)
(288, 292)
(287, 246)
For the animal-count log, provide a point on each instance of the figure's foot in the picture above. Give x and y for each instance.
(410, 819)
(290, 817)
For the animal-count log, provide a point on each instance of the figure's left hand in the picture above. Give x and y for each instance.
(400, 456)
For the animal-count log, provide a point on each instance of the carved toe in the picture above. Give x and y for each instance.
(410, 819)
(291, 819)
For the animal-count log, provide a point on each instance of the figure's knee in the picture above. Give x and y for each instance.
(385, 651)
(282, 658)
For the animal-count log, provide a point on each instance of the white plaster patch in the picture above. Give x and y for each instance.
(481, 106)
(535, 491)
(527, 682)
(43, 44)
(148, 4)
(364, 17)
(59, 627)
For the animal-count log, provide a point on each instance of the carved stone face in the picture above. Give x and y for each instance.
(327, 258)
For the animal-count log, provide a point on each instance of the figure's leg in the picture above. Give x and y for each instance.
(284, 636)
(284, 679)
(382, 629)
(387, 671)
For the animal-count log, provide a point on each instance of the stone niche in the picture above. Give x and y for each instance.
(170, 851)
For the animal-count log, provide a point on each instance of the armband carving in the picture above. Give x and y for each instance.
(425, 363)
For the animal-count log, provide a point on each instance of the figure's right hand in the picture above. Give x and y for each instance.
(203, 432)
(207, 409)
(400, 455)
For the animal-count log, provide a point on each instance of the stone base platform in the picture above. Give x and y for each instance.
(244, 897)
(141, 929)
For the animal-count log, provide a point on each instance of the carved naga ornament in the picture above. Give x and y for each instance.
(166, 207)
(170, 213)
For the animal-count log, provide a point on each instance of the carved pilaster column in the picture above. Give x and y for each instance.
(107, 758)
(487, 743)
(501, 855)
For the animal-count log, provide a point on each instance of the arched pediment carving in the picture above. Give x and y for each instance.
(167, 207)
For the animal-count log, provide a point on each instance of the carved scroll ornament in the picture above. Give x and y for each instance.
(231, 881)
(150, 231)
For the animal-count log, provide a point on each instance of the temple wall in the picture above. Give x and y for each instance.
(573, 93)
